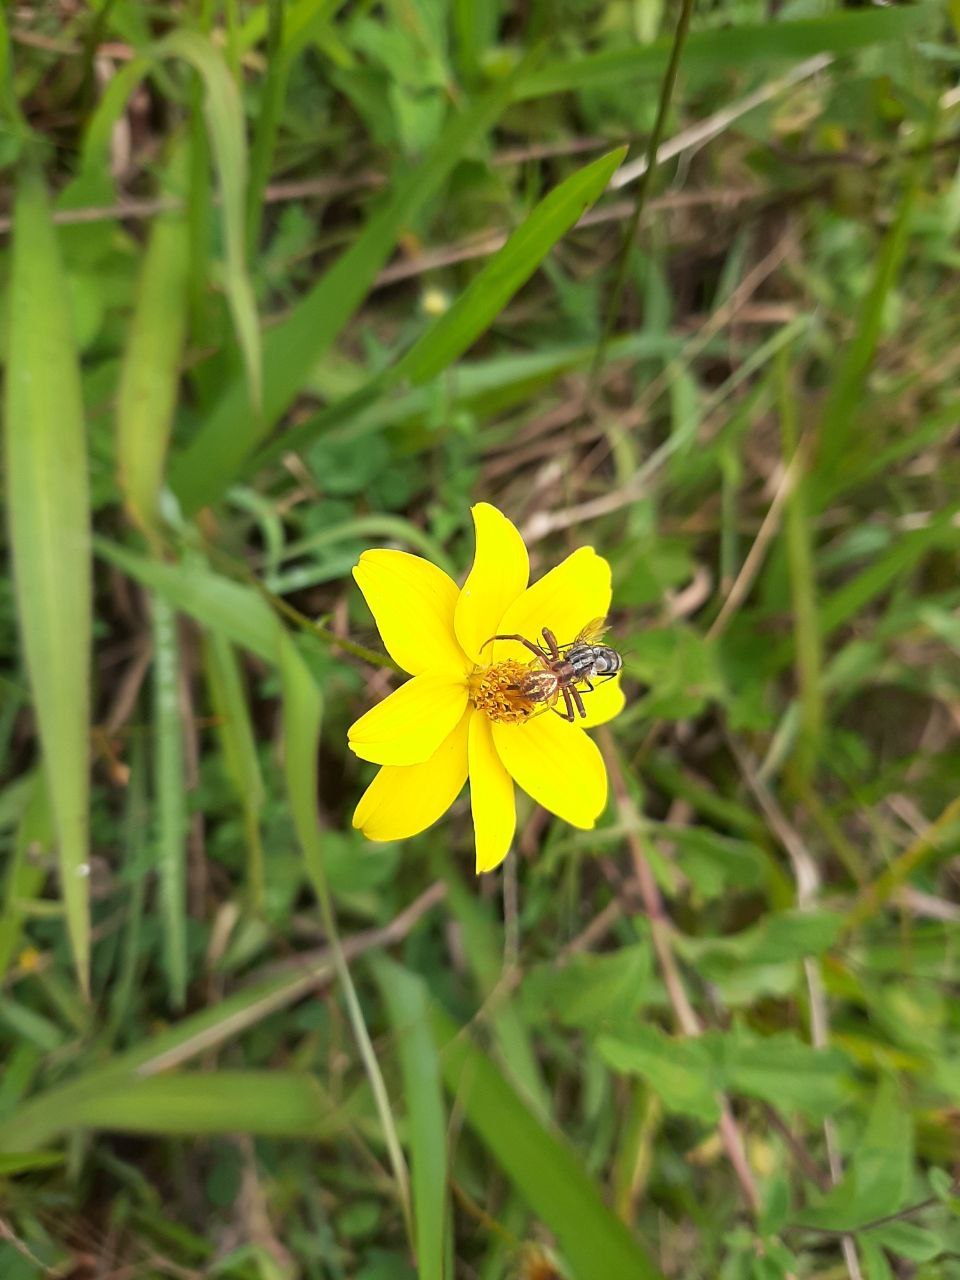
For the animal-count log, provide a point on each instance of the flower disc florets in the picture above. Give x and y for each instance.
(496, 691)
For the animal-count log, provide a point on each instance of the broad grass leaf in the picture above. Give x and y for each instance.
(49, 515)
(507, 270)
(407, 1001)
(541, 1165)
(269, 1103)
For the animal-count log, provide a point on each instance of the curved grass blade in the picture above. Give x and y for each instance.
(151, 364)
(223, 109)
(509, 269)
(544, 1169)
(407, 1002)
(49, 517)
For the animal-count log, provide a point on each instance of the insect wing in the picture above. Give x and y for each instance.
(593, 632)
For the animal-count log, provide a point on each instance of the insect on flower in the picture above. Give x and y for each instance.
(558, 669)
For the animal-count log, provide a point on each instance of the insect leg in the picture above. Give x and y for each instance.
(534, 648)
(586, 681)
(569, 715)
(575, 695)
(551, 642)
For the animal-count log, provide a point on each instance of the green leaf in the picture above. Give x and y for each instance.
(507, 270)
(909, 1241)
(150, 373)
(878, 1179)
(46, 466)
(407, 1002)
(591, 990)
(680, 1071)
(782, 1070)
(540, 1164)
(203, 470)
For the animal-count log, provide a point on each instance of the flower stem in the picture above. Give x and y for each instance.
(643, 190)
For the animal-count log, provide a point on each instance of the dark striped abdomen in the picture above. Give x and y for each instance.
(588, 660)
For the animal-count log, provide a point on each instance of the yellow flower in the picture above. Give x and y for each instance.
(461, 714)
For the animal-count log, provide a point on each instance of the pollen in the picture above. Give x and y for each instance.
(496, 692)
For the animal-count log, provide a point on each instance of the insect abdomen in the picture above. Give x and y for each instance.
(606, 662)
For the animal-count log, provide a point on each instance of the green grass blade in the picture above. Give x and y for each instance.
(150, 372)
(508, 270)
(204, 469)
(268, 1103)
(238, 742)
(544, 1169)
(223, 110)
(49, 518)
(406, 998)
(236, 611)
(726, 49)
(171, 810)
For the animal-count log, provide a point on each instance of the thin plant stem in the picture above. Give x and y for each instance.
(643, 189)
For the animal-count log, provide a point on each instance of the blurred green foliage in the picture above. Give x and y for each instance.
(304, 277)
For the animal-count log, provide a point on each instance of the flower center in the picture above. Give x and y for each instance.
(497, 691)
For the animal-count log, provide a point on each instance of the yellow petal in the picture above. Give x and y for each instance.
(409, 725)
(413, 604)
(491, 797)
(564, 600)
(405, 799)
(557, 764)
(605, 702)
(499, 575)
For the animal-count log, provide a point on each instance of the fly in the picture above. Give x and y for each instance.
(558, 669)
